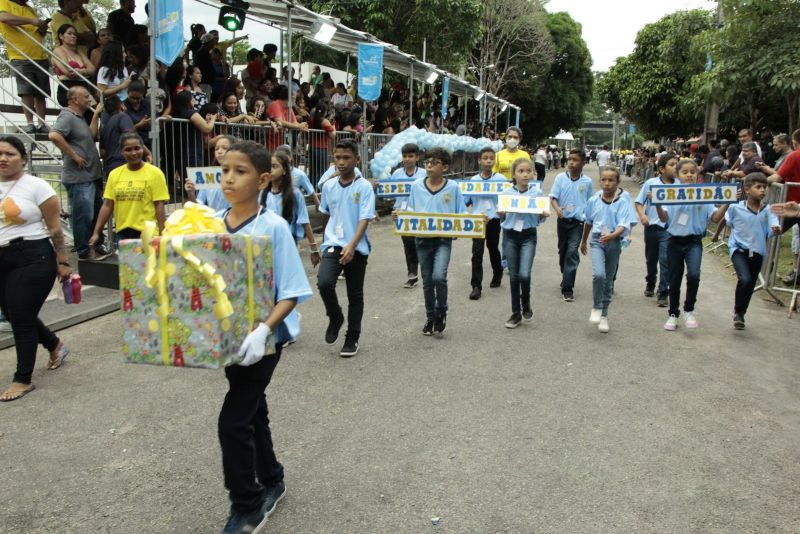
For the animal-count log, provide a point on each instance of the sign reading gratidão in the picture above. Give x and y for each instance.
(523, 204)
(440, 225)
(713, 193)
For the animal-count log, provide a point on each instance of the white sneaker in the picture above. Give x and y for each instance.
(671, 324)
(691, 320)
(594, 317)
(603, 326)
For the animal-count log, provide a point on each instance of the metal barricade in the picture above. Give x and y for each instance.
(769, 275)
(313, 153)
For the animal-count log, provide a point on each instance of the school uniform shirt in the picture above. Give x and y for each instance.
(274, 204)
(213, 198)
(649, 209)
(522, 221)
(401, 174)
(486, 205)
(327, 175)
(134, 194)
(605, 217)
(300, 181)
(750, 229)
(289, 279)
(448, 199)
(347, 205)
(689, 219)
(634, 220)
(572, 195)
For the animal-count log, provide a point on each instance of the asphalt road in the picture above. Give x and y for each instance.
(552, 427)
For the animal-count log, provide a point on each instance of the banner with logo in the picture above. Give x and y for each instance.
(169, 30)
(205, 177)
(440, 225)
(475, 188)
(445, 96)
(713, 193)
(370, 71)
(394, 188)
(523, 204)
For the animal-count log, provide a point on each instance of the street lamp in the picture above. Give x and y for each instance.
(483, 108)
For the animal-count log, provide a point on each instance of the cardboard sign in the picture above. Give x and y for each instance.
(675, 194)
(394, 188)
(475, 188)
(523, 204)
(205, 177)
(440, 225)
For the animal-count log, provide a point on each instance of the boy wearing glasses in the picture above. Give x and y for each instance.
(435, 194)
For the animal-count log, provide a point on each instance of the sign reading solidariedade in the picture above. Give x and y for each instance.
(675, 194)
(205, 177)
(440, 225)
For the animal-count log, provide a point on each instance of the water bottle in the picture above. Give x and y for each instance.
(75, 282)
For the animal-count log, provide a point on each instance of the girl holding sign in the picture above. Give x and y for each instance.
(608, 218)
(686, 225)
(519, 243)
(213, 198)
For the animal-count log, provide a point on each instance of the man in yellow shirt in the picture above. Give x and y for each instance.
(23, 32)
(69, 12)
(506, 157)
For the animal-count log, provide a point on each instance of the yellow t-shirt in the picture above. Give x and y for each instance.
(60, 19)
(13, 35)
(504, 160)
(134, 194)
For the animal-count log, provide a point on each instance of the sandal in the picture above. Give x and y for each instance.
(9, 395)
(57, 356)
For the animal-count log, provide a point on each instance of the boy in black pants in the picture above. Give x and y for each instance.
(409, 171)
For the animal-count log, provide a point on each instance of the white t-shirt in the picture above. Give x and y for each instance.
(104, 77)
(540, 157)
(602, 158)
(340, 101)
(20, 215)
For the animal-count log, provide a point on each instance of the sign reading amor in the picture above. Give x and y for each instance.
(694, 194)
(205, 177)
(477, 188)
(521, 204)
(439, 225)
(394, 188)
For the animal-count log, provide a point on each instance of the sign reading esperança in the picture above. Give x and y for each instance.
(440, 225)
(712, 193)
(521, 204)
(205, 177)
(480, 188)
(394, 188)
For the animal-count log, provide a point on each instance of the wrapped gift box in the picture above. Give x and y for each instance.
(175, 307)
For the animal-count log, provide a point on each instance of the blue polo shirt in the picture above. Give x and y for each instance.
(749, 230)
(448, 199)
(347, 205)
(401, 174)
(327, 175)
(572, 195)
(487, 205)
(605, 217)
(274, 203)
(689, 219)
(523, 221)
(213, 198)
(300, 181)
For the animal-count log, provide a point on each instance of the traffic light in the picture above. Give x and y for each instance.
(232, 14)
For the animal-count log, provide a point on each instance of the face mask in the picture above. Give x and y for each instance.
(512, 143)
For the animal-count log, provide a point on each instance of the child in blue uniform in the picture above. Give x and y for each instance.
(487, 205)
(686, 224)
(571, 190)
(655, 232)
(299, 178)
(253, 475)
(435, 194)
(348, 203)
(519, 243)
(608, 219)
(751, 225)
(409, 171)
(213, 198)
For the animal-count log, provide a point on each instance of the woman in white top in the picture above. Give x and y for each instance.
(30, 228)
(112, 74)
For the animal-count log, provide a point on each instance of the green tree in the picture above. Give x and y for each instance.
(648, 86)
(240, 52)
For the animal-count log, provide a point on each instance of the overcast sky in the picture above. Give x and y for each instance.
(610, 26)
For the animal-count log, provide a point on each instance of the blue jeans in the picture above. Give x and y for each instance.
(655, 257)
(434, 257)
(747, 269)
(682, 250)
(85, 200)
(520, 248)
(569, 232)
(605, 260)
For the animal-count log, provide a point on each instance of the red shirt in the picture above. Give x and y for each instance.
(790, 172)
(278, 110)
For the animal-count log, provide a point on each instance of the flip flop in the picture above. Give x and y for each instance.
(61, 353)
(19, 395)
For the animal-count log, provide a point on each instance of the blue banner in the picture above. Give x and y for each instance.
(370, 71)
(169, 30)
(445, 96)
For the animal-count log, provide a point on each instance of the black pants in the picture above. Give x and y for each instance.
(747, 268)
(541, 171)
(27, 273)
(569, 233)
(492, 243)
(788, 222)
(128, 233)
(248, 458)
(410, 251)
(354, 272)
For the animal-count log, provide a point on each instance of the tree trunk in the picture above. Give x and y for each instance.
(791, 105)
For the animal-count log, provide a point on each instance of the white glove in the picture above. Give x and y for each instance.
(254, 345)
